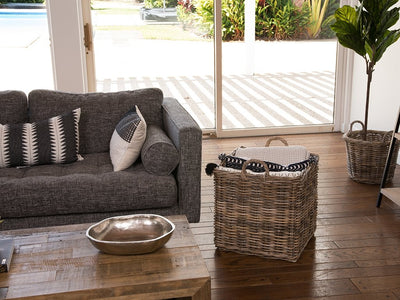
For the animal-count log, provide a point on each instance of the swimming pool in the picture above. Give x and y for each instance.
(22, 20)
(14, 14)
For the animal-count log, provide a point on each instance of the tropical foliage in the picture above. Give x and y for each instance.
(326, 31)
(281, 19)
(317, 15)
(366, 30)
(275, 19)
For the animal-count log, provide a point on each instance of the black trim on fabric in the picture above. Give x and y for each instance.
(234, 162)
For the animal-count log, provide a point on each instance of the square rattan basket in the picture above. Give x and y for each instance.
(264, 215)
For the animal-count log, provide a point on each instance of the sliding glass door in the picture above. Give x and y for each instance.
(240, 67)
(278, 71)
(154, 43)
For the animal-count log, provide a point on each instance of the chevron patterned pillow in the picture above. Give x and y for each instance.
(55, 140)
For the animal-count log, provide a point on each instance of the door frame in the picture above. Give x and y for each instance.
(67, 50)
(88, 43)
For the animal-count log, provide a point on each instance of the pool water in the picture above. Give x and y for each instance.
(16, 21)
(22, 15)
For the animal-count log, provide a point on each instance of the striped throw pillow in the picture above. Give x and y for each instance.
(55, 140)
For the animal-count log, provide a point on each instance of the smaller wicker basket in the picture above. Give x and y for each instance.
(366, 159)
(264, 215)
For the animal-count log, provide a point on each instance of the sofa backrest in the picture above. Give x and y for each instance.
(13, 107)
(100, 112)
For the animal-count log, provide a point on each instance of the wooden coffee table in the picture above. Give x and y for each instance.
(60, 263)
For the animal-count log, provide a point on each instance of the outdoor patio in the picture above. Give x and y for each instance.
(265, 100)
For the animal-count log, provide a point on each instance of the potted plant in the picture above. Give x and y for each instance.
(366, 30)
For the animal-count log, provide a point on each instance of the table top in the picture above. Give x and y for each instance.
(60, 263)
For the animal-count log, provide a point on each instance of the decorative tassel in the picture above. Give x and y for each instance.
(210, 168)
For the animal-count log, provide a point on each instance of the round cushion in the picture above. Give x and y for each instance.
(159, 155)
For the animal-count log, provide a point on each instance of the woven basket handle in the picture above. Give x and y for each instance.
(247, 162)
(388, 133)
(354, 122)
(268, 142)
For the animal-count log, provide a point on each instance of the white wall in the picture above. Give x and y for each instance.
(68, 53)
(385, 96)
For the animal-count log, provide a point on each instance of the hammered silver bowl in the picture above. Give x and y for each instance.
(132, 234)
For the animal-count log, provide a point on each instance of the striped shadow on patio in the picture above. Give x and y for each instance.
(266, 100)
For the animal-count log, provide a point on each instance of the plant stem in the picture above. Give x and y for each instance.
(370, 69)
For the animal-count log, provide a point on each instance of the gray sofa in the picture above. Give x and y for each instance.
(89, 190)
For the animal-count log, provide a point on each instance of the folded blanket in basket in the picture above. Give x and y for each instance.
(283, 155)
(276, 174)
(234, 162)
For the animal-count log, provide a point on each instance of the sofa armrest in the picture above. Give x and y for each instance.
(186, 134)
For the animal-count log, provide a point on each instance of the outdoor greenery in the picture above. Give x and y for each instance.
(317, 14)
(160, 3)
(275, 19)
(281, 20)
(326, 31)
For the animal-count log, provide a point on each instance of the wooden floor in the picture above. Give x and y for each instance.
(356, 250)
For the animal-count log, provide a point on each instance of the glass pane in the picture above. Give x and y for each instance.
(293, 79)
(25, 50)
(154, 43)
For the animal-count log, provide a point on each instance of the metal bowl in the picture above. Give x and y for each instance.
(133, 234)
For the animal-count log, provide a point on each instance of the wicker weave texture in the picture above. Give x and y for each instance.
(366, 159)
(267, 216)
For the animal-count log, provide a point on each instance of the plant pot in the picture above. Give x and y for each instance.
(366, 159)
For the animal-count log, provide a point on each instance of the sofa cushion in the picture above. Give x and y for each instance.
(87, 186)
(14, 107)
(127, 140)
(159, 155)
(55, 140)
(101, 112)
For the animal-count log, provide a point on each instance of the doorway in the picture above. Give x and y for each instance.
(154, 43)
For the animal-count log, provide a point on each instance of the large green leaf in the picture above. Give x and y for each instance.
(348, 41)
(388, 19)
(377, 7)
(347, 14)
(343, 27)
(390, 38)
(348, 30)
